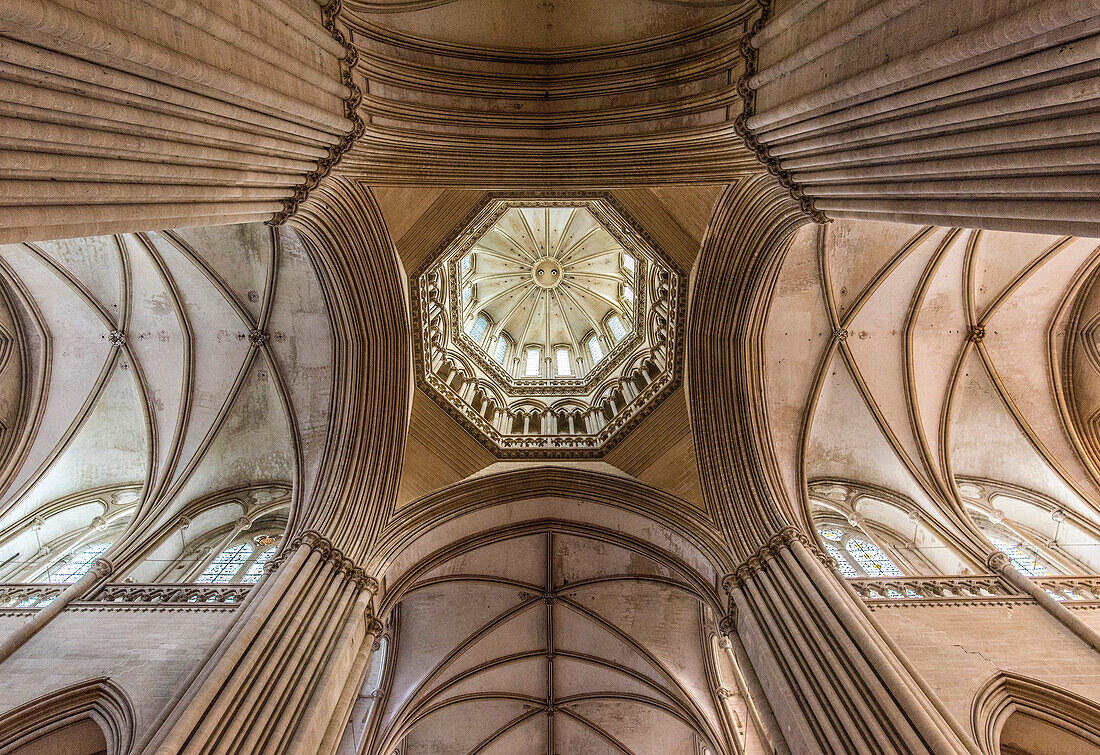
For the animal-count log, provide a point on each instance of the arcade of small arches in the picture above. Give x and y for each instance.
(657, 377)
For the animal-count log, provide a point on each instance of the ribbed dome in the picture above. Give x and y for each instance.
(548, 325)
(540, 284)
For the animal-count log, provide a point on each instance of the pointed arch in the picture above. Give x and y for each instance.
(98, 700)
(1056, 716)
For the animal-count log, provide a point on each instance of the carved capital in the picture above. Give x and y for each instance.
(375, 627)
(330, 13)
(997, 561)
(101, 568)
(769, 551)
(748, 107)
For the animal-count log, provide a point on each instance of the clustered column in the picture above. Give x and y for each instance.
(269, 685)
(133, 115)
(831, 682)
(930, 111)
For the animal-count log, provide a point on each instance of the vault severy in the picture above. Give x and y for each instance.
(548, 325)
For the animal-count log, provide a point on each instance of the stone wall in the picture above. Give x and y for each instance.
(958, 648)
(147, 653)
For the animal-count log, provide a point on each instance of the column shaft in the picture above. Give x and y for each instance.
(857, 105)
(108, 109)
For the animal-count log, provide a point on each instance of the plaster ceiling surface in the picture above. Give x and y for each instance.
(552, 641)
(158, 370)
(938, 368)
(549, 325)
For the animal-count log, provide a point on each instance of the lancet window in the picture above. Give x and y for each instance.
(77, 565)
(856, 555)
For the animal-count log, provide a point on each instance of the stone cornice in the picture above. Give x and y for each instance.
(748, 100)
(330, 14)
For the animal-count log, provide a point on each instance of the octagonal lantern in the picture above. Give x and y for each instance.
(549, 326)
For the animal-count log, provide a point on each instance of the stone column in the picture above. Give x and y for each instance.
(999, 563)
(133, 115)
(760, 711)
(268, 687)
(833, 684)
(931, 112)
(283, 678)
(100, 570)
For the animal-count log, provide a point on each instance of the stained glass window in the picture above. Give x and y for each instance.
(467, 263)
(1024, 561)
(628, 294)
(477, 330)
(256, 570)
(841, 562)
(562, 354)
(467, 294)
(628, 263)
(79, 564)
(871, 559)
(223, 568)
(594, 348)
(532, 367)
(500, 350)
(617, 328)
(831, 534)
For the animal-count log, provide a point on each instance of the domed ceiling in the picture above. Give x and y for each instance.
(549, 325)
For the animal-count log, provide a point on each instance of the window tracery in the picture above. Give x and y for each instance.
(856, 557)
(1020, 555)
(615, 325)
(77, 566)
(256, 570)
(226, 564)
(478, 327)
(595, 350)
(500, 350)
(531, 368)
(562, 364)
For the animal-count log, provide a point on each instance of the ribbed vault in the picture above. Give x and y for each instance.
(551, 638)
(947, 366)
(151, 377)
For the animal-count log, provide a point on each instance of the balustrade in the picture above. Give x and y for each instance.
(39, 595)
(971, 587)
(29, 595)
